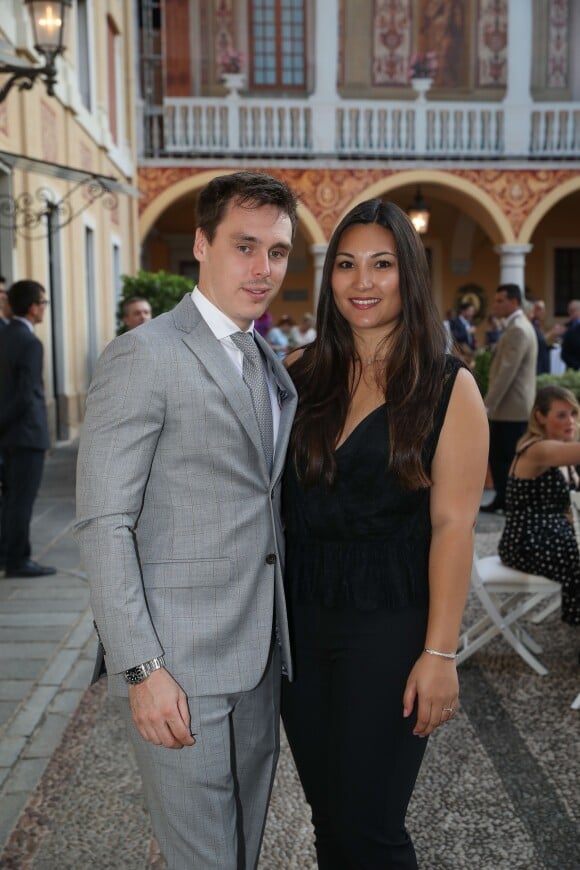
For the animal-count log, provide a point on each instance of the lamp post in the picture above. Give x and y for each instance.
(48, 19)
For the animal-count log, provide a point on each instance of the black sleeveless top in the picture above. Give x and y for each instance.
(364, 542)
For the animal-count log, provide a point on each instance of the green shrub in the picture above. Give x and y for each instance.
(163, 291)
(569, 379)
(482, 364)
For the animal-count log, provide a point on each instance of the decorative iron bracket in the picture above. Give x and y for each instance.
(25, 213)
(29, 74)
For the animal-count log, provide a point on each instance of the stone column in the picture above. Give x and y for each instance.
(517, 102)
(324, 97)
(513, 264)
(318, 254)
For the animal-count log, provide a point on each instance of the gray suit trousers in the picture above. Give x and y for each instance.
(208, 802)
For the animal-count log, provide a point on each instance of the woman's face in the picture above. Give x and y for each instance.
(560, 423)
(365, 278)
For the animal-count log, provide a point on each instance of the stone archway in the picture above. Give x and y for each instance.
(476, 201)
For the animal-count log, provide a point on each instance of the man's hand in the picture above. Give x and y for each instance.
(160, 711)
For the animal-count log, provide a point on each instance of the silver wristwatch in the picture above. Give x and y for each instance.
(136, 675)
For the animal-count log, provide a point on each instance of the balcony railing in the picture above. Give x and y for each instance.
(361, 129)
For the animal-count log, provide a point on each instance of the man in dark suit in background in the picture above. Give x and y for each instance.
(3, 324)
(571, 338)
(4, 308)
(463, 331)
(23, 424)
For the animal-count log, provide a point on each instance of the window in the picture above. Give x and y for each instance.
(278, 36)
(91, 302)
(566, 278)
(115, 80)
(83, 53)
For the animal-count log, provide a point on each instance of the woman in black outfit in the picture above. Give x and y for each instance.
(382, 489)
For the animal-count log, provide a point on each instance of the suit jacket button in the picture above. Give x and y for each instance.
(271, 559)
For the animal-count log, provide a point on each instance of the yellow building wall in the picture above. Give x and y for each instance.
(63, 135)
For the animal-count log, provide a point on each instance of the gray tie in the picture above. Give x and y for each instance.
(255, 379)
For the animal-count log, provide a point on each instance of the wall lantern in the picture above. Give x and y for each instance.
(48, 18)
(419, 213)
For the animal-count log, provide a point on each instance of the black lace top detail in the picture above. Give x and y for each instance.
(364, 542)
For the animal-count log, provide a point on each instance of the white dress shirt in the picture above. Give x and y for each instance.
(223, 328)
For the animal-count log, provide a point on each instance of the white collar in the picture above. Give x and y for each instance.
(513, 316)
(219, 323)
(26, 321)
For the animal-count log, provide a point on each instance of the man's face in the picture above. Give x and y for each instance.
(137, 313)
(37, 309)
(243, 268)
(502, 306)
(3, 300)
(469, 313)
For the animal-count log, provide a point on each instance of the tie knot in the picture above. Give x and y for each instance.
(245, 342)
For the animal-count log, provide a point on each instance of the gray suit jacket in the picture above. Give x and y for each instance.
(512, 376)
(178, 518)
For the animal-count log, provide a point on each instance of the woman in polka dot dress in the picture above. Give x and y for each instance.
(538, 536)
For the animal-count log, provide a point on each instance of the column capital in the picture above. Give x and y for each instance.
(515, 250)
(513, 264)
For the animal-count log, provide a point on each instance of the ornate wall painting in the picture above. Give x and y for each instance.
(443, 26)
(391, 40)
(557, 59)
(492, 36)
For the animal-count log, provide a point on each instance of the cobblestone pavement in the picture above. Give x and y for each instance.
(497, 790)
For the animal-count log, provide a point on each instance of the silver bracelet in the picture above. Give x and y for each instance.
(435, 652)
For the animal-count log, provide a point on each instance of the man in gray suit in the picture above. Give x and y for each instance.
(512, 387)
(179, 525)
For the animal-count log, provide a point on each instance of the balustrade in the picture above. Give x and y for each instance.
(361, 129)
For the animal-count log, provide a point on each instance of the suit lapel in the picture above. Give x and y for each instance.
(201, 341)
(286, 400)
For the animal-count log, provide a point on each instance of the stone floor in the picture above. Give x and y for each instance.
(498, 789)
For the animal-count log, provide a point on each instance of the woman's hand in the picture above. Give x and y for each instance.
(434, 686)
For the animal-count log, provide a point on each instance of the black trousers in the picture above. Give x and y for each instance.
(356, 755)
(503, 437)
(2, 496)
(22, 475)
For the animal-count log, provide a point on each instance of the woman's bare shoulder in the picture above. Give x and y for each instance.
(293, 356)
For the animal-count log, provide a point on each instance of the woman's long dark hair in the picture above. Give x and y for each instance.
(414, 366)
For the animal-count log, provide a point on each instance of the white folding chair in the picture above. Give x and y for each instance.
(506, 596)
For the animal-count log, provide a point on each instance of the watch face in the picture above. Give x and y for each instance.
(134, 676)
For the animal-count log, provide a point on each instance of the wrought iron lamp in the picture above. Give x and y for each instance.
(48, 19)
(419, 213)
